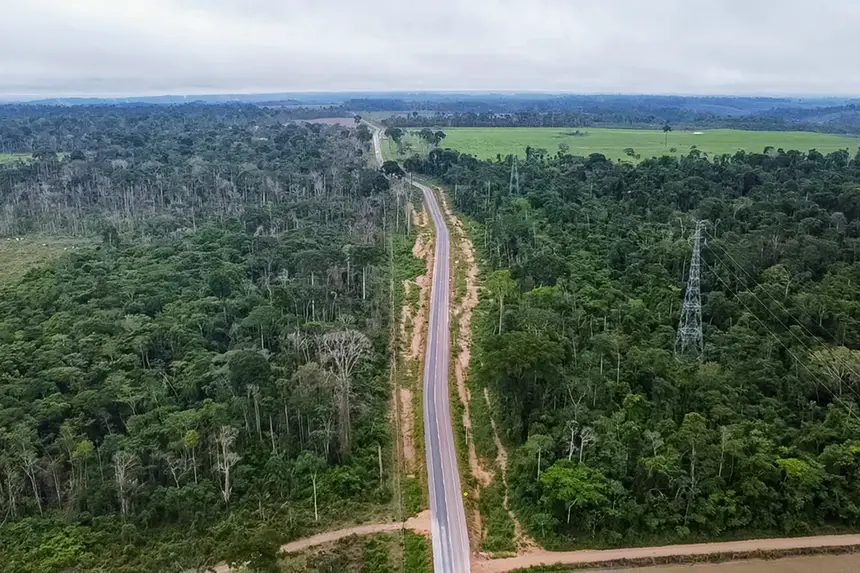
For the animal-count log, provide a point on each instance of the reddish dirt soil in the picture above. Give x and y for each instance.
(419, 524)
(597, 556)
(846, 563)
(406, 429)
(423, 249)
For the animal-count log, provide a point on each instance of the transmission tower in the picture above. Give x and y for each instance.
(689, 342)
(514, 188)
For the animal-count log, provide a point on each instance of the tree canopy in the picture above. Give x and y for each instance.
(208, 378)
(761, 436)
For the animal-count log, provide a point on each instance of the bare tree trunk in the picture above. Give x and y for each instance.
(316, 510)
(194, 465)
(29, 463)
(124, 466)
(227, 459)
(272, 436)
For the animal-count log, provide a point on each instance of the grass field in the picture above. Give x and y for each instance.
(487, 142)
(31, 251)
(12, 157)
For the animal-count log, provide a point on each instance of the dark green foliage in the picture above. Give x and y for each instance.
(392, 168)
(376, 558)
(165, 399)
(497, 521)
(413, 496)
(416, 554)
(761, 437)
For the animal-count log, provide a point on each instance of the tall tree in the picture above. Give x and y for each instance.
(343, 350)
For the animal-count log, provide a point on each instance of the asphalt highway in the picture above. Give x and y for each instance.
(448, 517)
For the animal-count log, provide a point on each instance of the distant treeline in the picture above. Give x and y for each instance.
(844, 122)
(777, 114)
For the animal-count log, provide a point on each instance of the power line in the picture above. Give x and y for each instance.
(802, 343)
(787, 349)
(783, 309)
(758, 284)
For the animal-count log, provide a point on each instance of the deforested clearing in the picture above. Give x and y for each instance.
(488, 142)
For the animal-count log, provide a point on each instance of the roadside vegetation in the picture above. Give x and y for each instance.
(612, 440)
(414, 262)
(381, 553)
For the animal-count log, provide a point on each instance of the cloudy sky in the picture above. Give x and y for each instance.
(148, 47)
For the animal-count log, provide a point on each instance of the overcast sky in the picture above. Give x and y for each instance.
(148, 47)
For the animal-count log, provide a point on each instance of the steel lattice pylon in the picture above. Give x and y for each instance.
(690, 343)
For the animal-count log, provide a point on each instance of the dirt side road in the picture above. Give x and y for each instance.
(419, 524)
(608, 555)
(847, 563)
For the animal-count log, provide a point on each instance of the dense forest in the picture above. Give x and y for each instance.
(438, 109)
(615, 441)
(209, 378)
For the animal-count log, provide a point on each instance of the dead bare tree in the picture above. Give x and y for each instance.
(124, 465)
(586, 436)
(227, 458)
(29, 462)
(343, 349)
(573, 427)
(177, 465)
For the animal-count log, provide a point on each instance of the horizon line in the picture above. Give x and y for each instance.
(31, 98)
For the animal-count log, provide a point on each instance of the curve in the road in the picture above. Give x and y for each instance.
(448, 516)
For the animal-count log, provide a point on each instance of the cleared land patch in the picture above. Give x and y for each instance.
(344, 121)
(488, 142)
(19, 255)
(13, 157)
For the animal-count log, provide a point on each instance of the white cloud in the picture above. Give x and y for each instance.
(137, 47)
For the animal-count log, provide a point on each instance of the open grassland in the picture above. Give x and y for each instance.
(488, 142)
(13, 157)
(31, 251)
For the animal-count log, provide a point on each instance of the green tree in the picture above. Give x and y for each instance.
(395, 133)
(392, 168)
(574, 485)
(502, 286)
(539, 444)
(311, 465)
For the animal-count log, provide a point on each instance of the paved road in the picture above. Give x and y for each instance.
(448, 518)
(377, 144)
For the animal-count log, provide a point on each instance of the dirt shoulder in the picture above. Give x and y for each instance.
(464, 284)
(484, 469)
(408, 366)
(650, 555)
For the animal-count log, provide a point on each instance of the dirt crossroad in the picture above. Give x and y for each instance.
(610, 555)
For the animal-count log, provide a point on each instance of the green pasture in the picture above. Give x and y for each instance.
(21, 254)
(488, 142)
(12, 157)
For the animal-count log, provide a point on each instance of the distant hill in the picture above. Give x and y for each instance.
(466, 101)
(170, 100)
